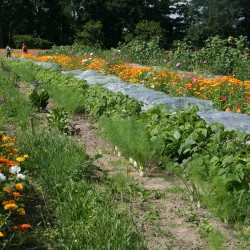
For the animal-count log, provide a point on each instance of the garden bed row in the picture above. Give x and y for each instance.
(214, 161)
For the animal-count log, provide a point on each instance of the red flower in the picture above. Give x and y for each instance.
(223, 98)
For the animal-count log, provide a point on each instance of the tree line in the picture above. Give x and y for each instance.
(106, 23)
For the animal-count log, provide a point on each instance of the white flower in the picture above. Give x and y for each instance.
(2, 177)
(20, 176)
(15, 169)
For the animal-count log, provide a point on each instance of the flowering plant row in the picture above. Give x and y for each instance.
(228, 93)
(12, 189)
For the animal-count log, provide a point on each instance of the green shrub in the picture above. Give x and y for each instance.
(31, 41)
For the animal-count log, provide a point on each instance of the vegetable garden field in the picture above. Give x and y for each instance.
(56, 194)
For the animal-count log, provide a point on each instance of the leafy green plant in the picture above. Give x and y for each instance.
(57, 119)
(98, 101)
(39, 98)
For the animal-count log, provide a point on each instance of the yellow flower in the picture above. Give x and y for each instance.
(20, 158)
(19, 186)
(227, 109)
(5, 138)
(10, 207)
(2, 234)
(21, 211)
(26, 156)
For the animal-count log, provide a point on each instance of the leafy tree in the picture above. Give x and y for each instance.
(91, 34)
(146, 30)
(211, 17)
(180, 18)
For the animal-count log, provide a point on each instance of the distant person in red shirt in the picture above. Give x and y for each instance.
(24, 49)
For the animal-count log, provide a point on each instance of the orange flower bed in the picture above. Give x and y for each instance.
(229, 93)
(12, 187)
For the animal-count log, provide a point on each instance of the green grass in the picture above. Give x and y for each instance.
(16, 109)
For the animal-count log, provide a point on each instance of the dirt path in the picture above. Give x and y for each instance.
(168, 219)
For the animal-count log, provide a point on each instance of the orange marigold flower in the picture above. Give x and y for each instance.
(8, 202)
(22, 227)
(14, 151)
(19, 228)
(26, 226)
(3, 160)
(7, 189)
(16, 194)
(10, 163)
(227, 109)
